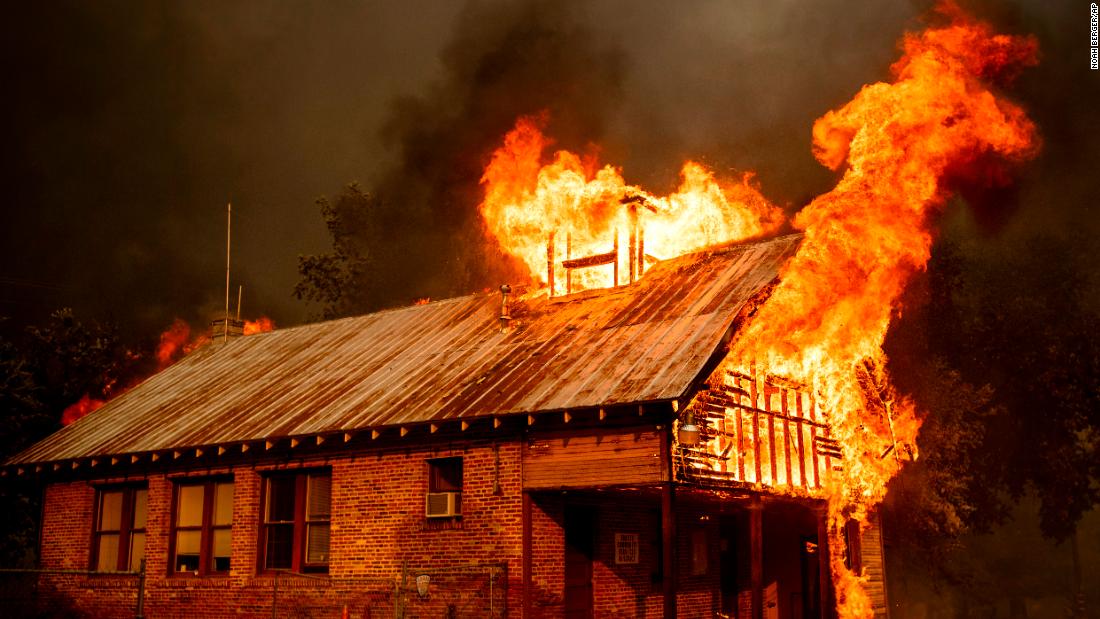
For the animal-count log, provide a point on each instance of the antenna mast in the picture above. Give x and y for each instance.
(228, 236)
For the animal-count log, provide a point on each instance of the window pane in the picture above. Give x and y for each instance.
(140, 500)
(107, 553)
(187, 550)
(320, 493)
(137, 551)
(110, 511)
(223, 503)
(280, 498)
(446, 475)
(220, 556)
(317, 543)
(279, 546)
(189, 506)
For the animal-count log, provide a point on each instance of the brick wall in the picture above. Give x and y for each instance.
(378, 528)
(379, 532)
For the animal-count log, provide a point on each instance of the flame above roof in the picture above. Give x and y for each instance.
(446, 360)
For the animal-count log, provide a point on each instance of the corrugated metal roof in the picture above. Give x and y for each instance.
(444, 360)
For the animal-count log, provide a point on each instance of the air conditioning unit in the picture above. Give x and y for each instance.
(444, 504)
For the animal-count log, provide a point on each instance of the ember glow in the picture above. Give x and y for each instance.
(263, 324)
(899, 145)
(81, 407)
(571, 207)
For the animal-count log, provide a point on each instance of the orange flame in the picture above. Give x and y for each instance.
(78, 409)
(584, 209)
(263, 324)
(825, 322)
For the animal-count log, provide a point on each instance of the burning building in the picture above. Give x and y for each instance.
(577, 445)
(673, 420)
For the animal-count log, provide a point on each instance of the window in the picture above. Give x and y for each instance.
(444, 498)
(297, 519)
(118, 539)
(202, 527)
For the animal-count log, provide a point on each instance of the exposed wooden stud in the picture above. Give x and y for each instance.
(433, 428)
(199, 452)
(268, 445)
(465, 425)
(530, 420)
(374, 434)
(294, 443)
(347, 437)
(221, 450)
(320, 439)
(603, 414)
(566, 416)
(496, 422)
(404, 431)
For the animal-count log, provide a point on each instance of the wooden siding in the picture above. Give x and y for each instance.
(594, 458)
(757, 430)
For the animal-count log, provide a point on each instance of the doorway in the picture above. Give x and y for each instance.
(580, 543)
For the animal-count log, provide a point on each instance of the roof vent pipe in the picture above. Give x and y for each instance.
(504, 317)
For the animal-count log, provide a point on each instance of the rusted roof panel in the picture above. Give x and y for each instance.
(444, 360)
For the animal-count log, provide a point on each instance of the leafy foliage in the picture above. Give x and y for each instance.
(342, 280)
(998, 345)
(42, 373)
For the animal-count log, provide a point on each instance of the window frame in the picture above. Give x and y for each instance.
(206, 527)
(301, 522)
(126, 529)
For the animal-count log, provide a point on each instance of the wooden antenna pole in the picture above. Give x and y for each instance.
(240, 291)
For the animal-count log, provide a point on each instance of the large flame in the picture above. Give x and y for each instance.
(825, 322)
(583, 210)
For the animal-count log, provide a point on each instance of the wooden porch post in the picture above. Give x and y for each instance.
(527, 580)
(668, 550)
(825, 571)
(756, 555)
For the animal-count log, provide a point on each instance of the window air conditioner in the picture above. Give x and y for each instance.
(444, 504)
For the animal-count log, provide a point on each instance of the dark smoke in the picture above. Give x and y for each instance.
(502, 61)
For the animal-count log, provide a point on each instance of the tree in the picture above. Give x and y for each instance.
(997, 343)
(52, 366)
(343, 280)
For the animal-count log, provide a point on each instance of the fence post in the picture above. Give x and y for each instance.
(140, 612)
